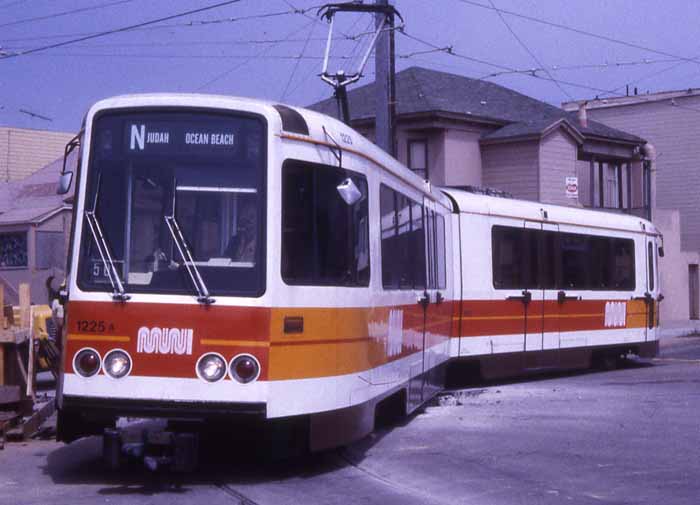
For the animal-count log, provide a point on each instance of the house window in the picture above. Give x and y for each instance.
(418, 157)
(13, 250)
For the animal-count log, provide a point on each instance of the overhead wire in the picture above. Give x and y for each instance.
(581, 32)
(64, 13)
(449, 50)
(10, 4)
(225, 73)
(121, 29)
(527, 49)
(297, 62)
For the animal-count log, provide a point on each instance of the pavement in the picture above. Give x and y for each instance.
(679, 328)
(627, 436)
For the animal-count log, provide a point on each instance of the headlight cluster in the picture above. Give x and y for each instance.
(211, 367)
(87, 362)
(243, 368)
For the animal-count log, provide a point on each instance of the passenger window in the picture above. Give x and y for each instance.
(623, 264)
(650, 258)
(440, 251)
(530, 258)
(403, 241)
(575, 252)
(508, 252)
(325, 234)
(550, 259)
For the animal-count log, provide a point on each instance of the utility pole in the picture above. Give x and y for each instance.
(385, 85)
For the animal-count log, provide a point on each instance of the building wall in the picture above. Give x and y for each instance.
(558, 155)
(463, 165)
(512, 167)
(674, 268)
(674, 131)
(23, 151)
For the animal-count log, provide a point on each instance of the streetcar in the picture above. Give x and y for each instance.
(234, 259)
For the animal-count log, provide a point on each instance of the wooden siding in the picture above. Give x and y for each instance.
(558, 154)
(512, 167)
(675, 132)
(23, 151)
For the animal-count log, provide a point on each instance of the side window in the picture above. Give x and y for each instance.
(575, 252)
(440, 252)
(601, 276)
(324, 231)
(623, 264)
(549, 247)
(417, 241)
(508, 246)
(387, 209)
(403, 241)
(650, 270)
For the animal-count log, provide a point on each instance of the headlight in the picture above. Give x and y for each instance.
(244, 368)
(86, 362)
(117, 364)
(211, 367)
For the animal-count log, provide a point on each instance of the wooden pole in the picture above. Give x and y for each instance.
(24, 304)
(30, 364)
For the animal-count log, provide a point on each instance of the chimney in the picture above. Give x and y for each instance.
(582, 116)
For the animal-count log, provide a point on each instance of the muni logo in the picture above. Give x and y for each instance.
(164, 340)
(615, 314)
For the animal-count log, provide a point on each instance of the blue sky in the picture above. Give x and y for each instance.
(271, 49)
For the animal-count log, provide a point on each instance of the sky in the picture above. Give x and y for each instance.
(553, 50)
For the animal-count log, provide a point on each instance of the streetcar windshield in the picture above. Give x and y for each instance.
(203, 171)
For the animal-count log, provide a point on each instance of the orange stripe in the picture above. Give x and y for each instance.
(234, 343)
(325, 341)
(100, 338)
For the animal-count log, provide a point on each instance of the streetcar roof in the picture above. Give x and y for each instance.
(472, 203)
(319, 126)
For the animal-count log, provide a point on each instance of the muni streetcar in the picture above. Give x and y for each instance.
(236, 259)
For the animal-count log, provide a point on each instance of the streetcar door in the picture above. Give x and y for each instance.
(411, 224)
(438, 312)
(507, 317)
(534, 309)
(652, 288)
(554, 301)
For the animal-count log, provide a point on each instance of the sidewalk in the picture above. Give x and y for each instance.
(679, 328)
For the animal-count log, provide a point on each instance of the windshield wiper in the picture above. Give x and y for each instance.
(203, 295)
(118, 293)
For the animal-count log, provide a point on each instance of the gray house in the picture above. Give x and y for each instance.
(34, 229)
(670, 121)
(457, 131)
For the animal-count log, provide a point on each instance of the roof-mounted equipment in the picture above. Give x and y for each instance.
(340, 80)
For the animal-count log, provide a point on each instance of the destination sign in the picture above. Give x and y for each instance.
(162, 137)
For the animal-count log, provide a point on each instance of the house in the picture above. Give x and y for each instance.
(457, 131)
(34, 229)
(23, 151)
(670, 121)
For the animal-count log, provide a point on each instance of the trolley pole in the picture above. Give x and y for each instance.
(385, 86)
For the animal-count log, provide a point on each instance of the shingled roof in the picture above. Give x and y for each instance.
(421, 90)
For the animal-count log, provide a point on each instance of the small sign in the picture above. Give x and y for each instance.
(572, 187)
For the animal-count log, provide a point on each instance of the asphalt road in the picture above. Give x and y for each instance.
(629, 436)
